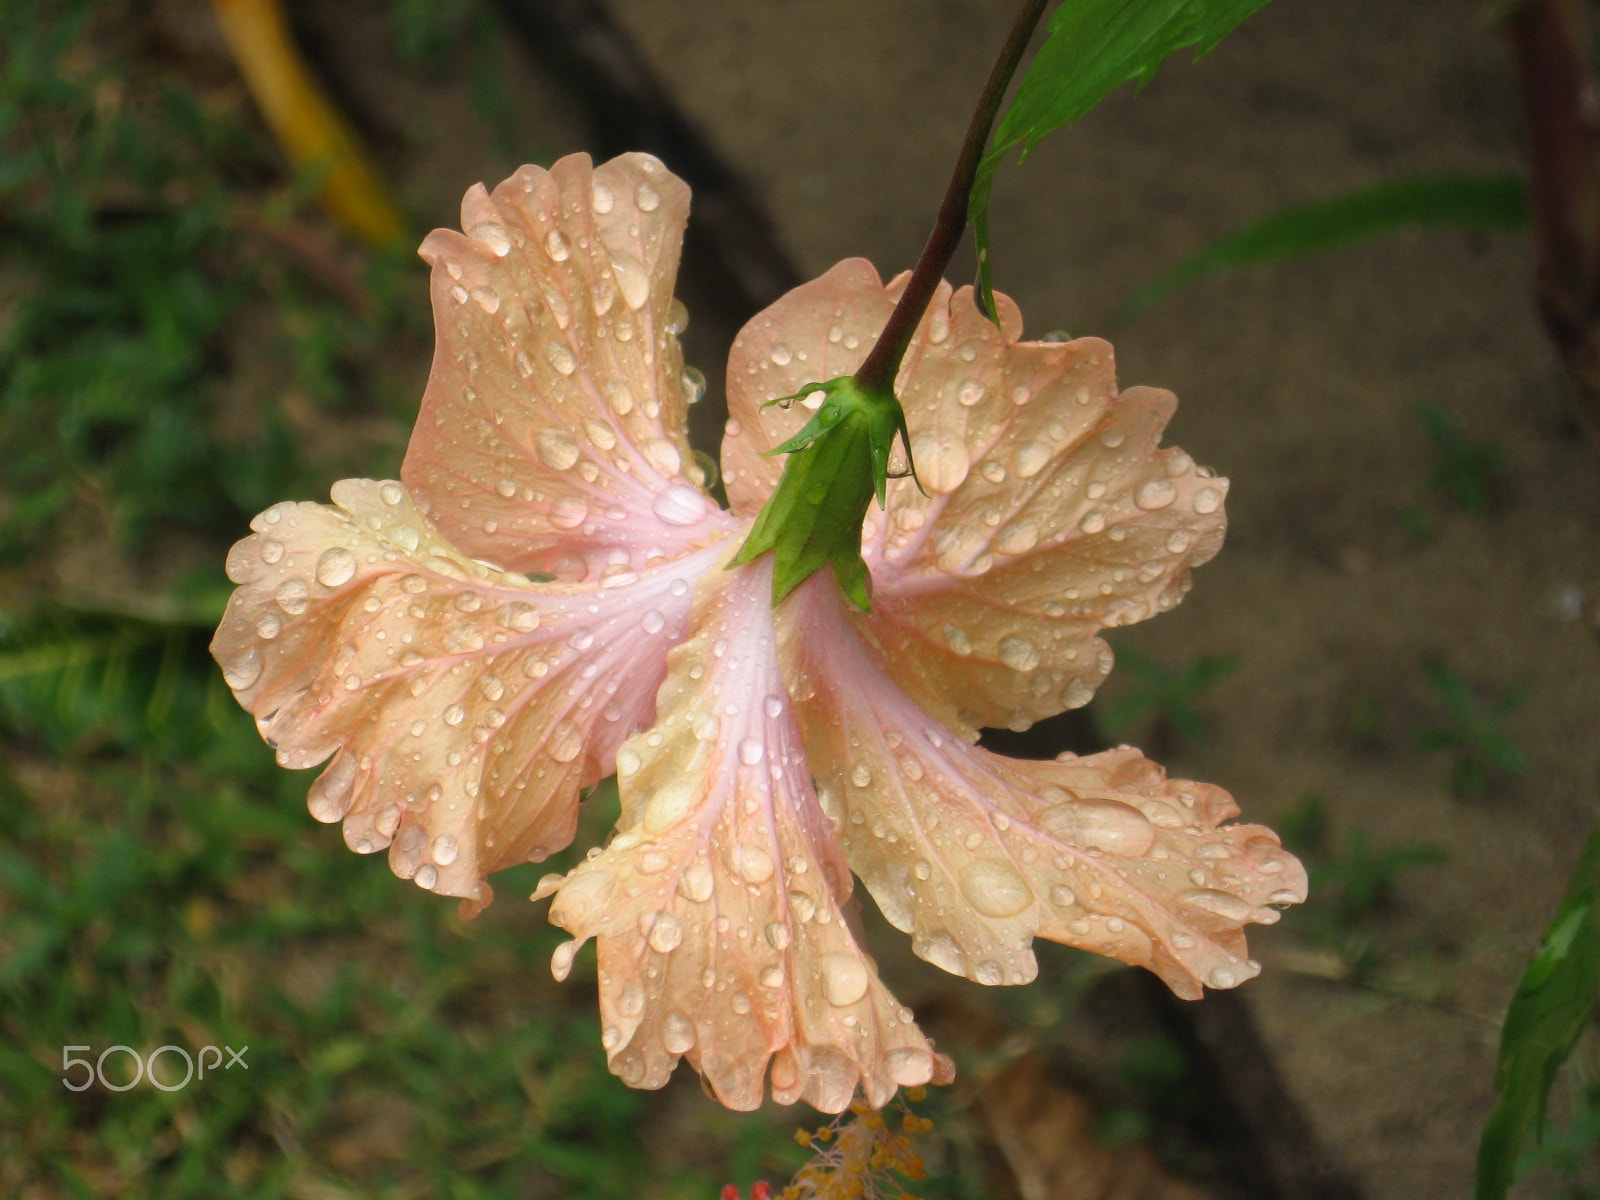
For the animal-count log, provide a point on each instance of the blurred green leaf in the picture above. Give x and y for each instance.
(1093, 47)
(1170, 693)
(1474, 731)
(1446, 201)
(1549, 1011)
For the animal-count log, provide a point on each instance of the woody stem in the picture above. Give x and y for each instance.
(878, 373)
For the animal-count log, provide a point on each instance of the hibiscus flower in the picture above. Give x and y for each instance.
(547, 597)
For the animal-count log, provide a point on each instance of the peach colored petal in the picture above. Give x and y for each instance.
(1050, 513)
(719, 908)
(463, 706)
(551, 436)
(975, 854)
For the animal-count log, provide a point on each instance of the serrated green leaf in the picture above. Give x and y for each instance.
(1093, 47)
(1445, 201)
(1548, 1014)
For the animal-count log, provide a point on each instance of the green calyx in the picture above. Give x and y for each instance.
(837, 463)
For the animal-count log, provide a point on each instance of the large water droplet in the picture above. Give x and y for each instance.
(669, 806)
(555, 244)
(647, 198)
(556, 447)
(752, 863)
(1018, 653)
(679, 504)
(559, 355)
(493, 236)
(666, 931)
(602, 199)
(661, 455)
(445, 850)
(940, 457)
(910, 1066)
(1223, 904)
(751, 751)
(1207, 500)
(845, 978)
(778, 935)
(1155, 493)
(632, 278)
(1096, 824)
(336, 566)
(677, 1033)
(994, 888)
(293, 596)
(569, 512)
(566, 739)
(329, 798)
(243, 669)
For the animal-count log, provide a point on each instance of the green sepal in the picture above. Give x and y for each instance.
(837, 462)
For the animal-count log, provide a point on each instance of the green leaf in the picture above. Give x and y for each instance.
(1548, 1013)
(1444, 201)
(837, 462)
(1094, 46)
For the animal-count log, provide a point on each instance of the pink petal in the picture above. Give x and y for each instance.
(1050, 513)
(463, 706)
(551, 436)
(719, 908)
(975, 854)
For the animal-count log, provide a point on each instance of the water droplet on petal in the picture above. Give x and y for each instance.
(994, 888)
(1221, 977)
(634, 281)
(427, 876)
(555, 244)
(1097, 824)
(781, 355)
(1018, 653)
(666, 931)
(662, 455)
(752, 863)
(680, 504)
(941, 459)
(910, 1066)
(647, 198)
(569, 512)
(336, 566)
(844, 978)
(243, 669)
(556, 448)
(444, 850)
(751, 751)
(1207, 500)
(1155, 493)
(677, 1033)
(559, 355)
(391, 492)
(778, 935)
(1223, 904)
(566, 739)
(493, 236)
(268, 625)
(602, 199)
(293, 596)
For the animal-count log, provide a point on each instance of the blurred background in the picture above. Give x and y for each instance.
(1393, 661)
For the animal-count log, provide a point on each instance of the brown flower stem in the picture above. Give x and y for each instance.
(878, 373)
(1561, 109)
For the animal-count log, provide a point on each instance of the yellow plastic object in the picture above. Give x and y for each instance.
(314, 135)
